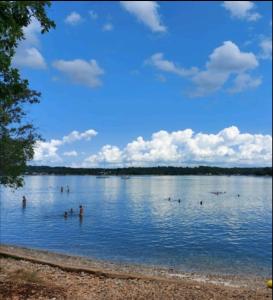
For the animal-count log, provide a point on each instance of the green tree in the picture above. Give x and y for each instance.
(17, 134)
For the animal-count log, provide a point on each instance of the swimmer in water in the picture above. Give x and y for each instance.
(62, 189)
(65, 214)
(24, 201)
(81, 211)
(201, 202)
(71, 210)
(179, 200)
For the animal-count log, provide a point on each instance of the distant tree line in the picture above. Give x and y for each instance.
(200, 170)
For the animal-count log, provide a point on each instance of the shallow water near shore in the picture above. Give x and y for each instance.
(132, 221)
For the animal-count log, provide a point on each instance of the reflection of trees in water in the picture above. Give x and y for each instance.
(109, 187)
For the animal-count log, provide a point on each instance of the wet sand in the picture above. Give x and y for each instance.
(35, 274)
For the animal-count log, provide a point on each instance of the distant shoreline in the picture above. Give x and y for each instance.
(140, 171)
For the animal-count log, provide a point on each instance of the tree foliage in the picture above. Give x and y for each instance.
(17, 135)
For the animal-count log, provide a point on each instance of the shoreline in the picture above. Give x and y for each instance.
(152, 175)
(110, 269)
(135, 269)
(74, 266)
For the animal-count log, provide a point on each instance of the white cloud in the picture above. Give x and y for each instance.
(27, 53)
(225, 61)
(162, 64)
(266, 48)
(183, 147)
(229, 58)
(80, 71)
(46, 152)
(108, 153)
(146, 12)
(71, 153)
(73, 18)
(93, 15)
(29, 57)
(244, 10)
(107, 27)
(31, 33)
(76, 136)
(243, 82)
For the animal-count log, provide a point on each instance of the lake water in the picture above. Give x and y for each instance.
(131, 221)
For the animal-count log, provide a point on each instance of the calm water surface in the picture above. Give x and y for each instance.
(131, 221)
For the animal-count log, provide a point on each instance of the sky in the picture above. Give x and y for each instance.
(145, 83)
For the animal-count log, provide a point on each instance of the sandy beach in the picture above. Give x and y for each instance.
(33, 274)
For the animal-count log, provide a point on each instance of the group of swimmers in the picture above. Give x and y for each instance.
(71, 211)
(24, 202)
(169, 199)
(178, 200)
(67, 189)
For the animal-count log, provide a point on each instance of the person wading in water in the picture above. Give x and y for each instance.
(24, 201)
(81, 211)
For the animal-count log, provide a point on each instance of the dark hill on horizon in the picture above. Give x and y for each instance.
(160, 170)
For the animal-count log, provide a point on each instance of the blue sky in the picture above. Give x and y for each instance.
(130, 78)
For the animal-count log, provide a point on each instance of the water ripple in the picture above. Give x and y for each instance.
(134, 222)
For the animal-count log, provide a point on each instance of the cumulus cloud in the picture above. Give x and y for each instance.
(71, 153)
(27, 53)
(157, 60)
(46, 152)
(184, 147)
(108, 153)
(244, 10)
(225, 61)
(146, 12)
(80, 71)
(107, 27)
(76, 136)
(73, 18)
(29, 57)
(266, 48)
(244, 82)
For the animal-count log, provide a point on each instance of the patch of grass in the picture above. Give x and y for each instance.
(24, 275)
(25, 290)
